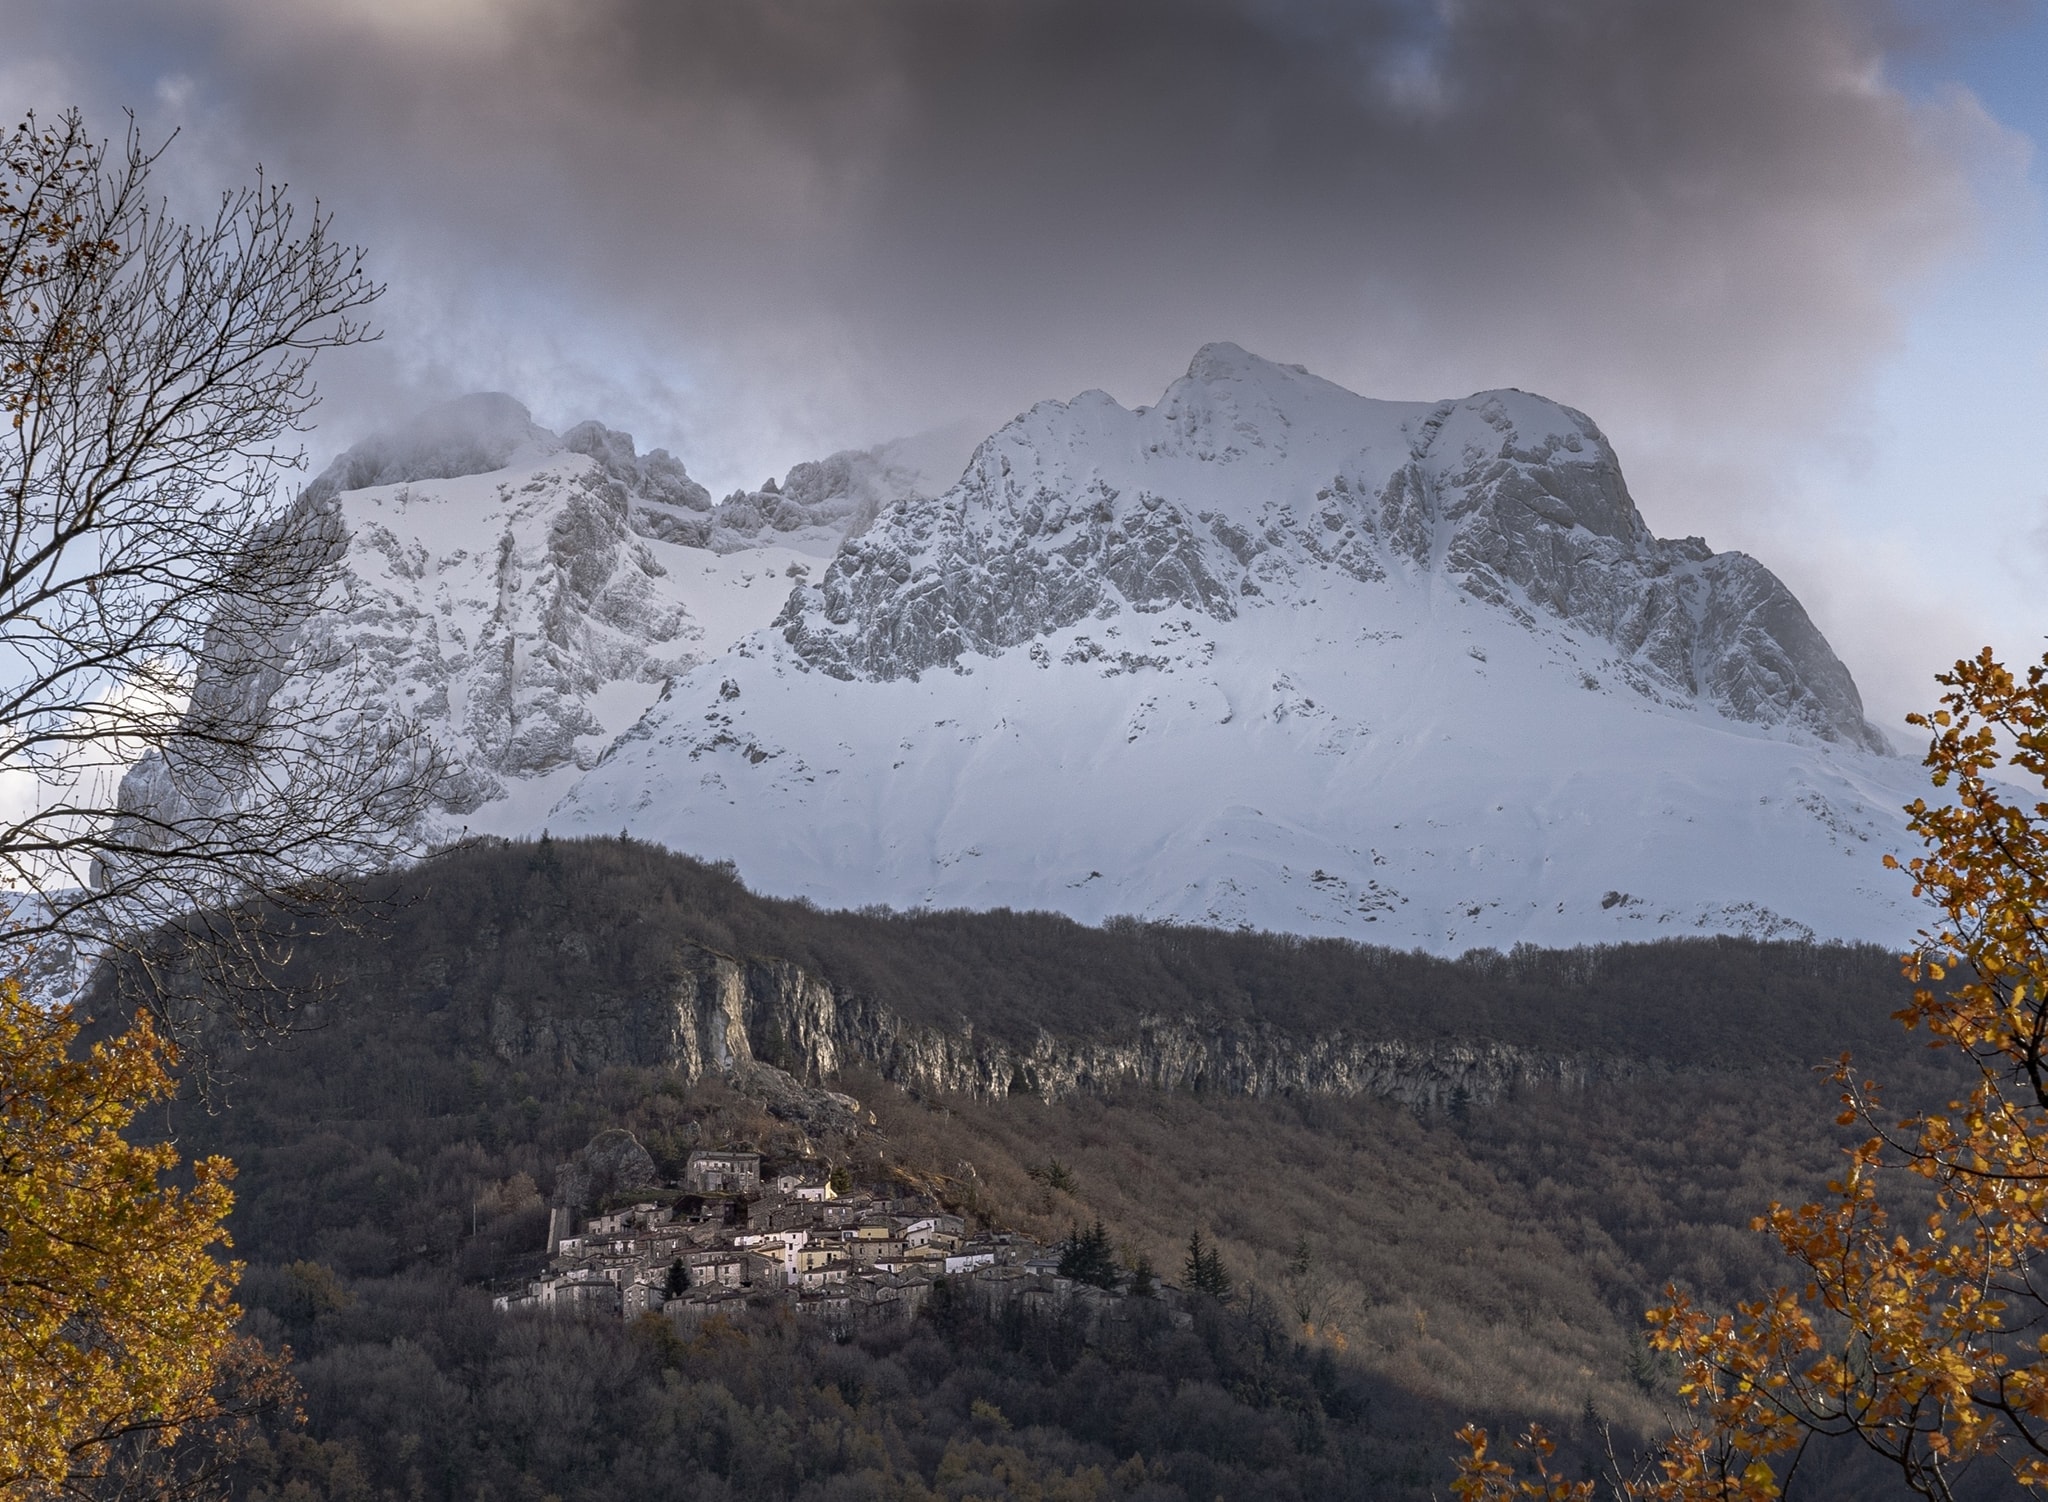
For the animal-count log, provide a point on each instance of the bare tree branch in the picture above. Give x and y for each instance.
(153, 374)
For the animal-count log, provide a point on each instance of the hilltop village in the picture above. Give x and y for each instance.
(729, 1238)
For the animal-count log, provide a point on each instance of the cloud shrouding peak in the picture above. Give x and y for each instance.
(822, 221)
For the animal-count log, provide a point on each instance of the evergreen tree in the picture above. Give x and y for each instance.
(1056, 1175)
(1204, 1271)
(1085, 1256)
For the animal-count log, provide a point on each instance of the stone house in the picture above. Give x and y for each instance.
(723, 1269)
(825, 1275)
(699, 1304)
(879, 1297)
(779, 1247)
(815, 1254)
(834, 1308)
(722, 1171)
(795, 1215)
(933, 1230)
(640, 1297)
(767, 1269)
(634, 1217)
(804, 1185)
(580, 1288)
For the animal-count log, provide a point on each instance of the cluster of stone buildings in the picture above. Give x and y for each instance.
(729, 1239)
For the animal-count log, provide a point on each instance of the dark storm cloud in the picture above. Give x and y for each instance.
(845, 216)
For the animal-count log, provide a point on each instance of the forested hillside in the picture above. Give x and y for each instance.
(1482, 1259)
(608, 916)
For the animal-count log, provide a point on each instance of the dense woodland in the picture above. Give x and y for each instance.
(607, 916)
(1487, 1262)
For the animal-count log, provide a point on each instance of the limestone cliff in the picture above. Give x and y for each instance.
(728, 1016)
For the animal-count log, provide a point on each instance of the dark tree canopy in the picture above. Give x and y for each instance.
(1086, 1257)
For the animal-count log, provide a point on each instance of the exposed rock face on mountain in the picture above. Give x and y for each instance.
(760, 1022)
(1272, 654)
(1248, 477)
(525, 595)
(504, 606)
(1266, 654)
(817, 503)
(612, 1163)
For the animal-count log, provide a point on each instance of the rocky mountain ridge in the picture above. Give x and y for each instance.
(1246, 473)
(524, 594)
(1275, 655)
(576, 958)
(1264, 654)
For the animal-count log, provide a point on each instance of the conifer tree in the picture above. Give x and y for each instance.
(1204, 1271)
(1085, 1256)
(1144, 1280)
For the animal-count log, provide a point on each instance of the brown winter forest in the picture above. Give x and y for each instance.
(1399, 1264)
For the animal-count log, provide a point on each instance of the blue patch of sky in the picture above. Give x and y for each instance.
(1950, 449)
(2000, 52)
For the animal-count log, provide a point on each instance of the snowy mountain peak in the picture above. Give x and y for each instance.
(1249, 483)
(1221, 362)
(1269, 653)
(1233, 390)
(1264, 653)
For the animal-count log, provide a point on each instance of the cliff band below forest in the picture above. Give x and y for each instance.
(727, 1016)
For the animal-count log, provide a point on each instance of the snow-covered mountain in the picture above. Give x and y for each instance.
(525, 595)
(1266, 653)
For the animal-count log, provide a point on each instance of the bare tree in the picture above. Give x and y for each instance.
(154, 584)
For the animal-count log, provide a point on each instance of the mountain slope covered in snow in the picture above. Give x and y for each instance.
(1266, 653)
(525, 595)
(1272, 654)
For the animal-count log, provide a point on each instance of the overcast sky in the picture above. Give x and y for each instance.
(1788, 253)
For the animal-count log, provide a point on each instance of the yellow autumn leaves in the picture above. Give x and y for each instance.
(1919, 1339)
(116, 1317)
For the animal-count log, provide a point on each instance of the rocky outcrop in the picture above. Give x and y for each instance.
(730, 1017)
(1248, 478)
(819, 501)
(473, 577)
(612, 1163)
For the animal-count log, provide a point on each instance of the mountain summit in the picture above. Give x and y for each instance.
(1266, 654)
(1249, 481)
